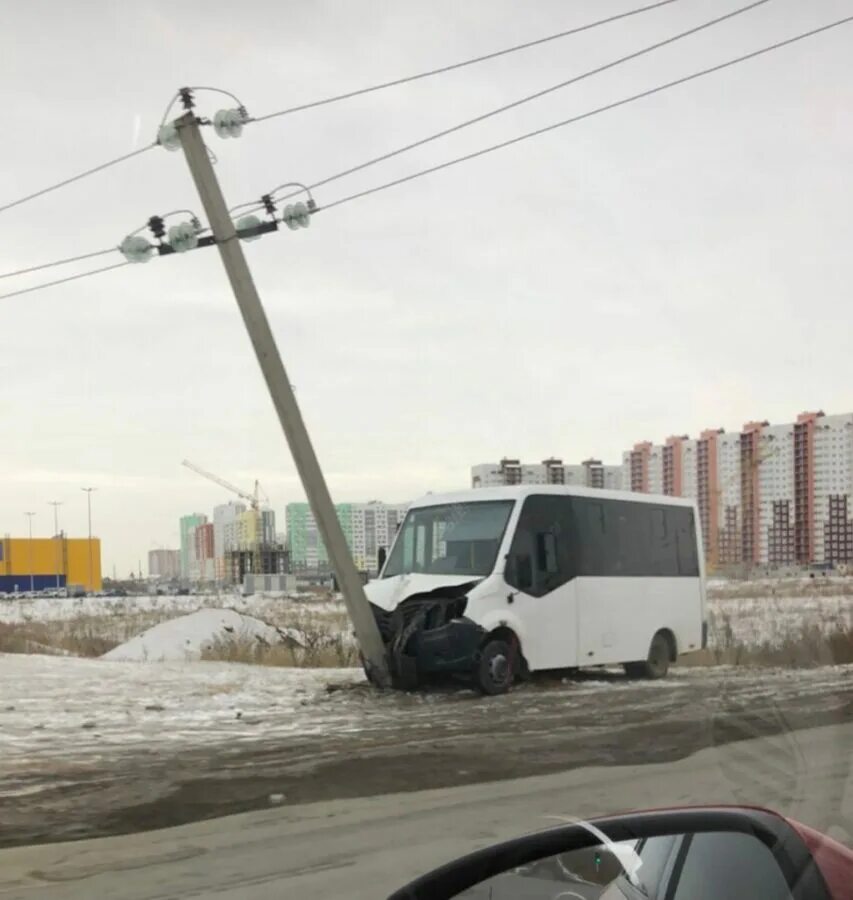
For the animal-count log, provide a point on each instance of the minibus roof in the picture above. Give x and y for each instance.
(517, 492)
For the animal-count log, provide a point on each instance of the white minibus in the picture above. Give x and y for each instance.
(493, 583)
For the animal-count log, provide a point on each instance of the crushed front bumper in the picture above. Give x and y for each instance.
(450, 648)
(421, 640)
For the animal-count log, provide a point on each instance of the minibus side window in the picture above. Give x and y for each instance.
(685, 537)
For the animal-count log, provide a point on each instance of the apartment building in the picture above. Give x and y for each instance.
(366, 526)
(186, 527)
(773, 495)
(226, 533)
(203, 567)
(164, 564)
(589, 473)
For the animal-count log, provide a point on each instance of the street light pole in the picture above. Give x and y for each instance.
(30, 515)
(281, 391)
(56, 536)
(88, 491)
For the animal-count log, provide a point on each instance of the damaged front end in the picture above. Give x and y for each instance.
(428, 635)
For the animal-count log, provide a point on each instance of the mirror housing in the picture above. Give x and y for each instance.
(810, 865)
(518, 572)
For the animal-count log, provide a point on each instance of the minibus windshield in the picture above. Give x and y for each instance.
(450, 539)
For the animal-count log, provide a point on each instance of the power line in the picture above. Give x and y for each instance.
(549, 90)
(463, 64)
(59, 262)
(478, 153)
(100, 168)
(433, 137)
(47, 284)
(587, 115)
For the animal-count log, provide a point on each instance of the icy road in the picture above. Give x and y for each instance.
(363, 848)
(94, 747)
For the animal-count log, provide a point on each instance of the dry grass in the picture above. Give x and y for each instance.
(784, 587)
(316, 648)
(812, 645)
(792, 623)
(41, 637)
(78, 636)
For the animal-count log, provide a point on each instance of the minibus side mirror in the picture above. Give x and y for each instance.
(519, 571)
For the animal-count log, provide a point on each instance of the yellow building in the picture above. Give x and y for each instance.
(77, 562)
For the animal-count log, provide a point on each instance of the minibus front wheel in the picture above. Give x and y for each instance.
(494, 671)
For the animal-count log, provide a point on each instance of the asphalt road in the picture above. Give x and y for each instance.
(363, 848)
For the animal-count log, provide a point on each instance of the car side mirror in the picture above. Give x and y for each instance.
(727, 852)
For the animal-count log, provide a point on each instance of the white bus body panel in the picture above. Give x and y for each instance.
(618, 617)
(592, 621)
(546, 626)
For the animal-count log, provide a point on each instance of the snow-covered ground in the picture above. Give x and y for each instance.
(85, 709)
(77, 731)
(59, 609)
(67, 722)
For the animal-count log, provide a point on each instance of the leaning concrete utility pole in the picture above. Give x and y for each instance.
(283, 398)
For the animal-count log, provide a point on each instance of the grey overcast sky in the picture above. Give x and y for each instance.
(677, 264)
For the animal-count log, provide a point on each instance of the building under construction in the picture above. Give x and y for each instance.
(238, 542)
(263, 559)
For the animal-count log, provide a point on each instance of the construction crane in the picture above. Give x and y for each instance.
(252, 499)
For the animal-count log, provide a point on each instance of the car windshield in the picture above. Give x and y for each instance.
(449, 539)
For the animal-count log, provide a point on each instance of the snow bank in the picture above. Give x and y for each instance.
(184, 638)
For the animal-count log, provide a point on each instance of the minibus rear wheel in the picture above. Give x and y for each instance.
(657, 663)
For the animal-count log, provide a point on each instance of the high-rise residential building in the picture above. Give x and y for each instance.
(187, 526)
(366, 527)
(164, 564)
(204, 567)
(589, 473)
(774, 495)
(225, 518)
(829, 440)
(255, 527)
(303, 538)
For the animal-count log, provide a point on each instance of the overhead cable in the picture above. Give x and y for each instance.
(67, 181)
(594, 112)
(535, 96)
(460, 65)
(59, 262)
(47, 284)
